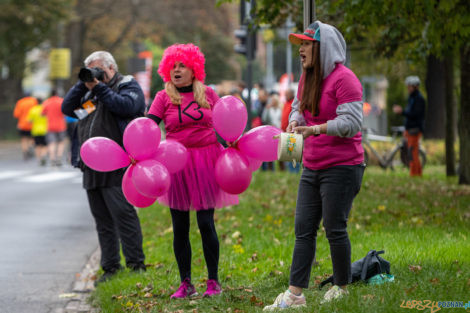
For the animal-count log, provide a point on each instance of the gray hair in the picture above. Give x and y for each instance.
(104, 56)
(412, 81)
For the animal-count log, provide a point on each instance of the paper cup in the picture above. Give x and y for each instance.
(290, 147)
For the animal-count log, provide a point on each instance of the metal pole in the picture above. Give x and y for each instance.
(309, 12)
(289, 26)
(269, 66)
(59, 83)
(249, 59)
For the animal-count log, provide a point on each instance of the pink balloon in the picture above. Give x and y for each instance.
(254, 164)
(151, 178)
(258, 143)
(141, 138)
(131, 193)
(229, 117)
(172, 154)
(232, 171)
(103, 154)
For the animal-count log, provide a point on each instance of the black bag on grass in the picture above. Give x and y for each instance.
(370, 265)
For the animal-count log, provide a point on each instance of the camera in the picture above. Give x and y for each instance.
(88, 75)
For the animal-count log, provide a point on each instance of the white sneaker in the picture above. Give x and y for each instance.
(286, 300)
(336, 292)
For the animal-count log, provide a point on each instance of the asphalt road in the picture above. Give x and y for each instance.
(46, 233)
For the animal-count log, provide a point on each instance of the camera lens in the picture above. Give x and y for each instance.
(86, 75)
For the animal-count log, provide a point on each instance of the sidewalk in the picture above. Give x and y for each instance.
(83, 286)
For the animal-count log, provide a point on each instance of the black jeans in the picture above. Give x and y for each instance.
(116, 220)
(182, 246)
(326, 194)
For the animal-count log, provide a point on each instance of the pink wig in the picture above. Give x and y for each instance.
(188, 54)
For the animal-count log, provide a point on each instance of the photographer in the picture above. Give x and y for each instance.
(105, 101)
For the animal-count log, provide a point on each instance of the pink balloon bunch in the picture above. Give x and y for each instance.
(151, 161)
(234, 167)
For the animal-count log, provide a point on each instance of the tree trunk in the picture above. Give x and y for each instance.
(10, 92)
(464, 122)
(434, 124)
(74, 39)
(450, 114)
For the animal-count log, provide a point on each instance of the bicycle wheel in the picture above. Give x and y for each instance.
(406, 161)
(366, 157)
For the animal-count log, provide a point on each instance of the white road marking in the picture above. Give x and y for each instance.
(13, 174)
(48, 177)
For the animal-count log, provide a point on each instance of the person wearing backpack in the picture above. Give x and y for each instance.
(328, 113)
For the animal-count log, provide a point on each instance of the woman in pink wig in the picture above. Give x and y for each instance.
(185, 106)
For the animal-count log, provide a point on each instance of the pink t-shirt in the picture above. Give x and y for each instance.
(188, 123)
(323, 151)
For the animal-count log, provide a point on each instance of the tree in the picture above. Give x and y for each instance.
(422, 26)
(24, 25)
(418, 29)
(114, 25)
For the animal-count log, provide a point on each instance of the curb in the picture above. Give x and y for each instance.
(82, 287)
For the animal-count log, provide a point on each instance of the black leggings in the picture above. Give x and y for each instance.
(182, 246)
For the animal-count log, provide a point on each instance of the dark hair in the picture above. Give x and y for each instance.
(313, 78)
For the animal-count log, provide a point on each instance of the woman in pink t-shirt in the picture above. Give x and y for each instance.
(328, 112)
(185, 106)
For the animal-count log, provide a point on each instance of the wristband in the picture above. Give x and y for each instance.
(316, 130)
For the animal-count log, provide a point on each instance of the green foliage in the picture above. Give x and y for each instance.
(25, 25)
(421, 223)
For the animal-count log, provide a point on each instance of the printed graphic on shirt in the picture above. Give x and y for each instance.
(192, 110)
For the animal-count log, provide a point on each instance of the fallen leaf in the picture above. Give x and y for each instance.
(248, 290)
(254, 270)
(415, 268)
(139, 285)
(148, 295)
(368, 297)
(148, 288)
(410, 290)
(236, 234)
(67, 295)
(434, 281)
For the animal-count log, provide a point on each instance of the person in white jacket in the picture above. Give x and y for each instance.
(272, 112)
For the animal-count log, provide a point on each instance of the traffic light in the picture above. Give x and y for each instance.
(247, 45)
(242, 34)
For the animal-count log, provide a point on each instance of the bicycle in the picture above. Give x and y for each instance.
(398, 154)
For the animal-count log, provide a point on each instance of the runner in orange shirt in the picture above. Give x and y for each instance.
(56, 130)
(21, 111)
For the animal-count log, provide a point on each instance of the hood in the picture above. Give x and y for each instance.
(332, 48)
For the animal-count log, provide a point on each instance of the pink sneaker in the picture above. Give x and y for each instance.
(213, 288)
(185, 290)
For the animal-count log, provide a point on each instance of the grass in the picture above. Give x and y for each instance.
(422, 224)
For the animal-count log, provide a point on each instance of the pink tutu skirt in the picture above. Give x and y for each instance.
(194, 187)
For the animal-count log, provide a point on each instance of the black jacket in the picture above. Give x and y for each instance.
(117, 103)
(414, 111)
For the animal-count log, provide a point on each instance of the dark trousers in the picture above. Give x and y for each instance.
(116, 221)
(182, 246)
(326, 194)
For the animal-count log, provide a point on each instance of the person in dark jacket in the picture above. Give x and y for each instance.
(104, 107)
(414, 122)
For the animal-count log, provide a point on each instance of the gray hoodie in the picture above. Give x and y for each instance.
(333, 51)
